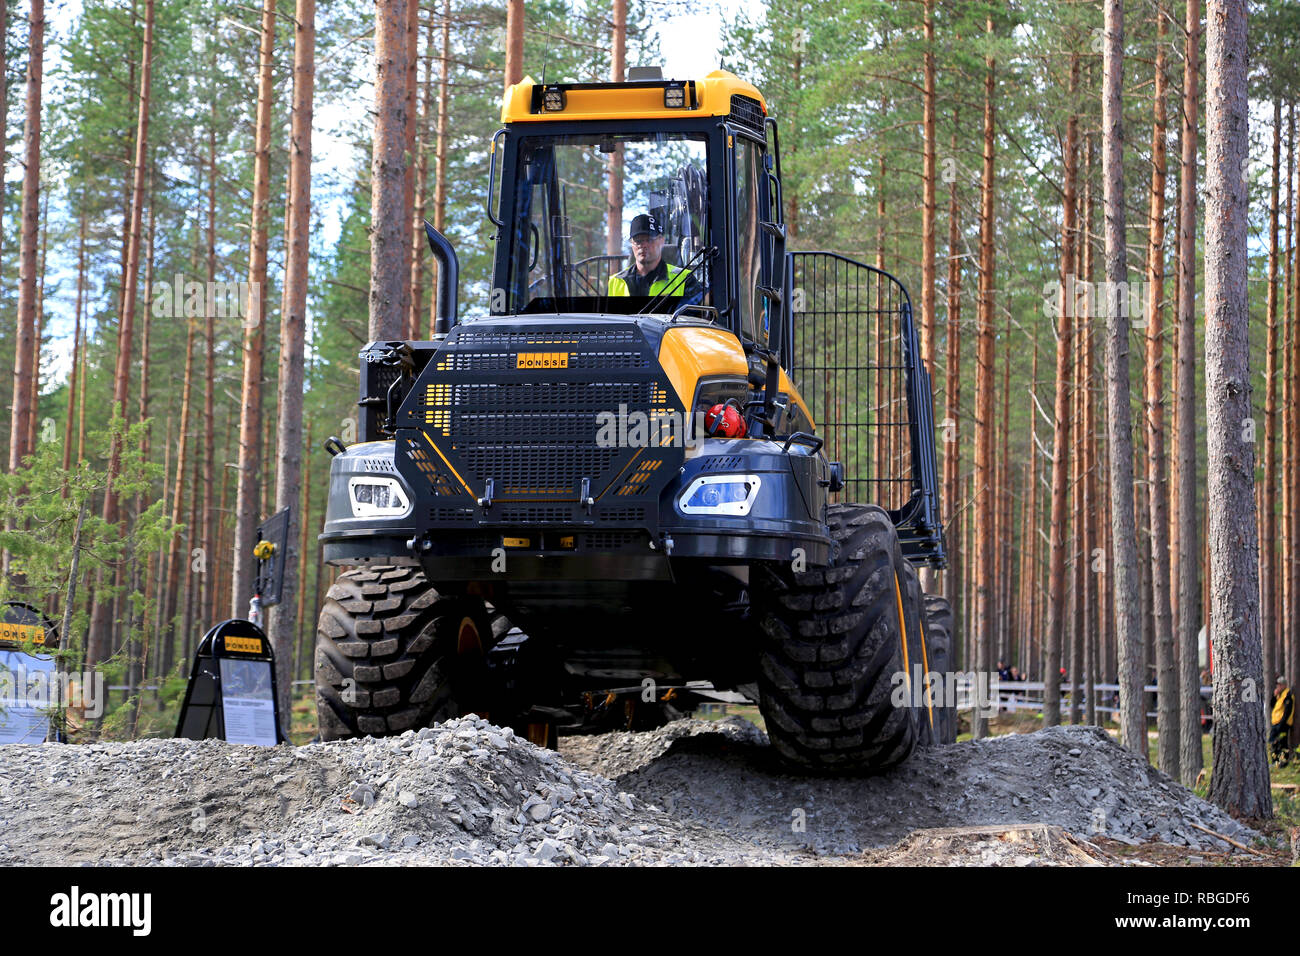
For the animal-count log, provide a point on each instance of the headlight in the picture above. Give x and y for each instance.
(373, 496)
(720, 495)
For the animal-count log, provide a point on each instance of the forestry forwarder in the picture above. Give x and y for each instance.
(569, 513)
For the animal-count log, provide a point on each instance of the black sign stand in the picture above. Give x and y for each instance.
(240, 651)
(271, 549)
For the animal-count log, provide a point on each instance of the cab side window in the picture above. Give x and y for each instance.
(751, 181)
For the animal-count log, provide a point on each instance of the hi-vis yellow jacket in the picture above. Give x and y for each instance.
(674, 283)
(1284, 709)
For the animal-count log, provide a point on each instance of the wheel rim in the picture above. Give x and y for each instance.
(468, 641)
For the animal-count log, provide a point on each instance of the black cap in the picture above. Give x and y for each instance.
(645, 224)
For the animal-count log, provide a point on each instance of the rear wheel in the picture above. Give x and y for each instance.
(832, 652)
(938, 630)
(917, 664)
(392, 654)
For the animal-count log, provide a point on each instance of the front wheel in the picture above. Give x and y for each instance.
(393, 654)
(831, 676)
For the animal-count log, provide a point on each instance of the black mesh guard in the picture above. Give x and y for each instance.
(747, 112)
(521, 403)
(857, 363)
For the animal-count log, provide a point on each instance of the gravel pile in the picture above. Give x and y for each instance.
(1076, 778)
(462, 792)
(466, 792)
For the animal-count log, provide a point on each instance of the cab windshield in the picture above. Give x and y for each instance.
(578, 198)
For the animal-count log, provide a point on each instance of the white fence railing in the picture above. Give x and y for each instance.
(1014, 696)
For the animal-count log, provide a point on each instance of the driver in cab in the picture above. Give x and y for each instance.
(650, 274)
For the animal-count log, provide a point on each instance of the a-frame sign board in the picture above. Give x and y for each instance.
(31, 692)
(232, 694)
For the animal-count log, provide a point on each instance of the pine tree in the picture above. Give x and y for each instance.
(250, 479)
(1240, 780)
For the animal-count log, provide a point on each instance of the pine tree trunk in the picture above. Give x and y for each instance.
(146, 325)
(514, 41)
(34, 380)
(1189, 547)
(1091, 530)
(74, 370)
(1292, 635)
(416, 312)
(1268, 511)
(1061, 427)
(410, 163)
(928, 203)
(223, 572)
(1032, 576)
(175, 559)
(1128, 623)
(4, 107)
(1078, 553)
(216, 473)
(303, 551)
(1284, 599)
(250, 479)
(389, 216)
(1239, 781)
(1006, 527)
(440, 158)
(288, 482)
(25, 353)
(99, 645)
(985, 505)
(1157, 493)
(614, 189)
(951, 510)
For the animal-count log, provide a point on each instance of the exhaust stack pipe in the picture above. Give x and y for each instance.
(448, 278)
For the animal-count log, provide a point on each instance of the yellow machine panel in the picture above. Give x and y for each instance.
(713, 98)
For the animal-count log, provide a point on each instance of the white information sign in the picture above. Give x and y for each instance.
(247, 702)
(27, 683)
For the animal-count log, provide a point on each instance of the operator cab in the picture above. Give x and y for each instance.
(586, 159)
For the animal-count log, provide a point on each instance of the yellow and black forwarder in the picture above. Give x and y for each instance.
(579, 510)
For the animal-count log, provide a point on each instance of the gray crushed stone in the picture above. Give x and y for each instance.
(1077, 778)
(462, 792)
(468, 793)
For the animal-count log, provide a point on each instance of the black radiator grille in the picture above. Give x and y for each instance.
(548, 470)
(545, 435)
(540, 413)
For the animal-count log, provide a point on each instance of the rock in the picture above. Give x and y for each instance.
(547, 850)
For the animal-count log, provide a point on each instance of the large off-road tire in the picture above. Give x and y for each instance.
(831, 648)
(392, 654)
(938, 629)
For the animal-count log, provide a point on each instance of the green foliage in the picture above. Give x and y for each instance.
(49, 525)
